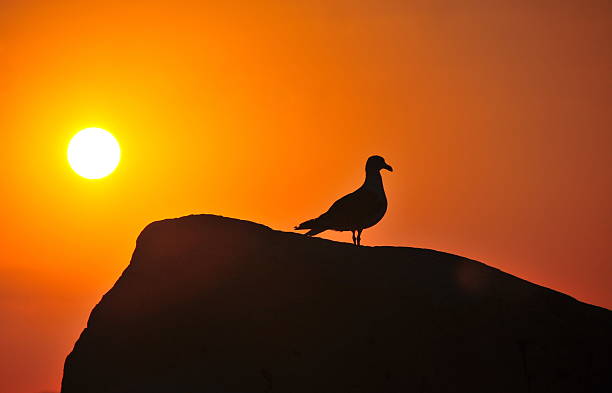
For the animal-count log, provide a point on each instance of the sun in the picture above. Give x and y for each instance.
(93, 153)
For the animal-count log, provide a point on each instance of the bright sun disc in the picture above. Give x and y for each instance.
(93, 153)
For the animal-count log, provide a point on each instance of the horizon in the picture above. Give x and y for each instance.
(494, 116)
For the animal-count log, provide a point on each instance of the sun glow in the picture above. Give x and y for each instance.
(93, 153)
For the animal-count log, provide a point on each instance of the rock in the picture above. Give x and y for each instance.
(211, 304)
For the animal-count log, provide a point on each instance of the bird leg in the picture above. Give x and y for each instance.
(359, 237)
(354, 238)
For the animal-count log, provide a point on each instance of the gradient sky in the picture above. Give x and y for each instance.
(494, 114)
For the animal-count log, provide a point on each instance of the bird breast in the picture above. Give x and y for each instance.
(377, 211)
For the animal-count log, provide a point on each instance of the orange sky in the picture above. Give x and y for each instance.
(494, 114)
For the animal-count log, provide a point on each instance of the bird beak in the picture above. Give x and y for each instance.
(388, 167)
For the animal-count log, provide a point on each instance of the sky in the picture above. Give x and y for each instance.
(495, 116)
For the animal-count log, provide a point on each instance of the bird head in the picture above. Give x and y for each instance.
(376, 163)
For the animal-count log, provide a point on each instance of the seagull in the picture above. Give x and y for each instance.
(359, 210)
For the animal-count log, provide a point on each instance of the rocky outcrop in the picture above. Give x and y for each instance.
(211, 304)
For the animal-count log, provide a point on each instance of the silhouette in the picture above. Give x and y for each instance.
(358, 210)
(212, 304)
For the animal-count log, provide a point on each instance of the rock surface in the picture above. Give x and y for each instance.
(211, 304)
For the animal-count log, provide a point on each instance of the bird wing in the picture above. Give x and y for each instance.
(350, 211)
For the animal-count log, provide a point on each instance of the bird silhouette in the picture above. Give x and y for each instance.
(359, 210)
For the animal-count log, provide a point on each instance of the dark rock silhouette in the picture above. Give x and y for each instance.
(210, 304)
(359, 210)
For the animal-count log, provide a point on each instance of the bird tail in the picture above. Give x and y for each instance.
(307, 224)
(313, 225)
